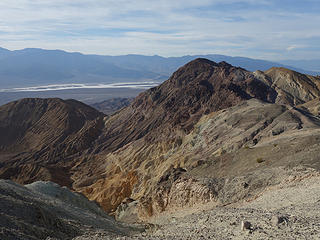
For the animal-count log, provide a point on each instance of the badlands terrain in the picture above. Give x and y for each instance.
(215, 152)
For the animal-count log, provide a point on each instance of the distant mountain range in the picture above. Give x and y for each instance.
(310, 65)
(167, 66)
(31, 67)
(34, 67)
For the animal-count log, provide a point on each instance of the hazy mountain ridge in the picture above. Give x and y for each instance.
(311, 65)
(170, 64)
(32, 67)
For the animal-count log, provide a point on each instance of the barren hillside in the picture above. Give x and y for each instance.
(212, 133)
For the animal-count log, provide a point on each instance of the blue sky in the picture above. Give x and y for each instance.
(266, 29)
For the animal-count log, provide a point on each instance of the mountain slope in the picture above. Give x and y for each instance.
(44, 210)
(142, 139)
(198, 137)
(292, 87)
(199, 87)
(224, 144)
(37, 133)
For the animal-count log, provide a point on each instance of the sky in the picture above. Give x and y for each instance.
(264, 29)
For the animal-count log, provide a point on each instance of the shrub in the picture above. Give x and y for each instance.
(260, 160)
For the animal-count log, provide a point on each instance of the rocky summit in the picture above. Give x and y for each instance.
(212, 135)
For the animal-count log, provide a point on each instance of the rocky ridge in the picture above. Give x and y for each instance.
(199, 137)
(202, 134)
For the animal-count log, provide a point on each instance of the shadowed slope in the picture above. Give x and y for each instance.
(36, 133)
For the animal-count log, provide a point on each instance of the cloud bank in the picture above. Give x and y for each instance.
(268, 29)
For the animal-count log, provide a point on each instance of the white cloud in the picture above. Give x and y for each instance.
(163, 27)
(292, 47)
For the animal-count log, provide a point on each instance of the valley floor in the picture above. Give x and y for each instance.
(290, 210)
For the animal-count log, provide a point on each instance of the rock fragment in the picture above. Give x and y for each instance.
(276, 220)
(245, 225)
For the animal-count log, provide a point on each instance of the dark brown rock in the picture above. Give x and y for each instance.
(38, 136)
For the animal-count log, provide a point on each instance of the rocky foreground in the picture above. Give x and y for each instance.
(43, 210)
(290, 210)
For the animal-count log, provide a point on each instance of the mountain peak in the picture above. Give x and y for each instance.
(202, 65)
(199, 63)
(201, 86)
(280, 70)
(203, 60)
(191, 70)
(224, 64)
